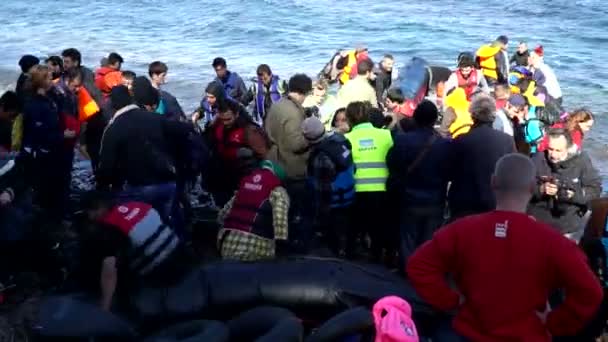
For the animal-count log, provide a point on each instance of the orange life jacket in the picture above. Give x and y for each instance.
(87, 107)
(107, 78)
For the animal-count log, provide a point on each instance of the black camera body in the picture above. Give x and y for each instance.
(312, 111)
(563, 186)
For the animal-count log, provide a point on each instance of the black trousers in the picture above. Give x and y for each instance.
(417, 225)
(370, 216)
(338, 232)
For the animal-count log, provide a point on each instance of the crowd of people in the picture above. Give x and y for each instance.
(296, 170)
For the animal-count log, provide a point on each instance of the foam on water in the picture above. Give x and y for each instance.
(300, 35)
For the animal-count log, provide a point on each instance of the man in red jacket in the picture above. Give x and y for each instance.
(505, 265)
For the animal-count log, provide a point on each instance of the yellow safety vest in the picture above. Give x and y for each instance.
(370, 147)
(487, 62)
(457, 100)
(352, 61)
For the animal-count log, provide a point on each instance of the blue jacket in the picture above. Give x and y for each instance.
(338, 151)
(233, 85)
(41, 125)
(426, 184)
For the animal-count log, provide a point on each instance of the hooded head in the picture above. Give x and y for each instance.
(215, 93)
(145, 94)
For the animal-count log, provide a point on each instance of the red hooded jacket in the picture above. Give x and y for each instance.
(505, 265)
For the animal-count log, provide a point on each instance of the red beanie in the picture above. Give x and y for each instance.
(539, 50)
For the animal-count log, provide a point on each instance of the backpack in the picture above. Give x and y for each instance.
(393, 320)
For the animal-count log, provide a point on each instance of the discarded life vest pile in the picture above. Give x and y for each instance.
(232, 301)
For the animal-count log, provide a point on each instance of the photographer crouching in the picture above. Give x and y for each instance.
(567, 183)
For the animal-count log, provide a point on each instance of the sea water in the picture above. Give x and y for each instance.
(301, 35)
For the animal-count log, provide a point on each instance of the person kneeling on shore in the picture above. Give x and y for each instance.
(505, 265)
(133, 246)
(254, 222)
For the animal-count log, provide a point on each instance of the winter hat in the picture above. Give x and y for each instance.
(466, 59)
(517, 100)
(274, 167)
(426, 113)
(28, 61)
(144, 93)
(313, 129)
(120, 97)
(539, 50)
(503, 39)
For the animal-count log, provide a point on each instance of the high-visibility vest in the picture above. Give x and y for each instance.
(87, 107)
(370, 147)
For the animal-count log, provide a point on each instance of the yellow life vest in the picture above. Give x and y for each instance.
(532, 99)
(487, 62)
(457, 100)
(370, 147)
(352, 61)
(17, 133)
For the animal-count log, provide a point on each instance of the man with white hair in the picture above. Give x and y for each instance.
(504, 265)
(473, 158)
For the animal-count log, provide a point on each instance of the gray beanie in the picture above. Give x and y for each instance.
(313, 129)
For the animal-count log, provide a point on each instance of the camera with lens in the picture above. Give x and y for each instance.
(312, 111)
(563, 186)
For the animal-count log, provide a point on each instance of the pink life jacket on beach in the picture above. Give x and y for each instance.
(393, 320)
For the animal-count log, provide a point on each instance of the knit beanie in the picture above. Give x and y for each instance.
(539, 50)
(144, 93)
(28, 61)
(313, 129)
(503, 39)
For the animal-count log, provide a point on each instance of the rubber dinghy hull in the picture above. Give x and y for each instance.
(312, 288)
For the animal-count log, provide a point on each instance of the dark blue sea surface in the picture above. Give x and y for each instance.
(300, 36)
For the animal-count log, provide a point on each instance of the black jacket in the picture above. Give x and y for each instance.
(472, 162)
(13, 178)
(426, 184)
(520, 59)
(139, 148)
(576, 173)
(381, 84)
(173, 111)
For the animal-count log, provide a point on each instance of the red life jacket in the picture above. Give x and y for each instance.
(152, 242)
(229, 141)
(251, 210)
(360, 57)
(468, 84)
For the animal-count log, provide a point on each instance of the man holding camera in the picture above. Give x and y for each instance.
(567, 182)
